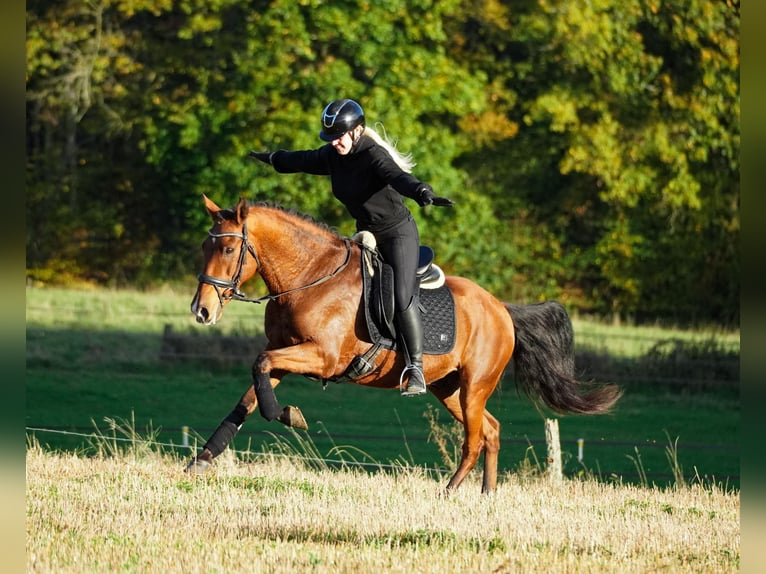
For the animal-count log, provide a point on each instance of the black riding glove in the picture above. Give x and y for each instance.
(263, 156)
(426, 196)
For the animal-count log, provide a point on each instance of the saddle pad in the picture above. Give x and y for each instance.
(438, 312)
(437, 308)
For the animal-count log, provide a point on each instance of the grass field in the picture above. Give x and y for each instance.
(136, 511)
(94, 357)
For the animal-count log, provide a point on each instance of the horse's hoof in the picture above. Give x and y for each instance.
(293, 417)
(197, 466)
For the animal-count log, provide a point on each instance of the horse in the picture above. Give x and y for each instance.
(315, 326)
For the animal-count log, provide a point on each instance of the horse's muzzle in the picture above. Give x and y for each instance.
(202, 313)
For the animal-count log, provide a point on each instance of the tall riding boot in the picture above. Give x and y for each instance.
(411, 338)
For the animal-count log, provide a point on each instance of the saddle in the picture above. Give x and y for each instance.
(436, 306)
(379, 283)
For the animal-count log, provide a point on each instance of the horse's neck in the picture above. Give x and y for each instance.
(293, 252)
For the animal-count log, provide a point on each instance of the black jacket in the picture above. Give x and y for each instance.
(367, 181)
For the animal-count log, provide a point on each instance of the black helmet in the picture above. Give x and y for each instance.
(339, 117)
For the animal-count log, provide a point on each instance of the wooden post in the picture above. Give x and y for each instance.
(554, 450)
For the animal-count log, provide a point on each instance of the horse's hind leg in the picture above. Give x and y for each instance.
(491, 452)
(224, 434)
(482, 434)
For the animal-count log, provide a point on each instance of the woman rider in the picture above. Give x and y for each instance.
(371, 179)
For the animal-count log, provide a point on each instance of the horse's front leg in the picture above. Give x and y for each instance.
(268, 370)
(263, 386)
(224, 434)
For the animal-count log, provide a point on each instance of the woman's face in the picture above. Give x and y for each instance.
(345, 142)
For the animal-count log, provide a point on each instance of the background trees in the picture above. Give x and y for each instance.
(592, 147)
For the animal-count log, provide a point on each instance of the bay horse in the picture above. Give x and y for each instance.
(315, 326)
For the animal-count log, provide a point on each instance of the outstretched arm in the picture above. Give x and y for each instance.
(300, 161)
(426, 196)
(264, 156)
(405, 183)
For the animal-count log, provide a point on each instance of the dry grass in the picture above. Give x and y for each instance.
(141, 513)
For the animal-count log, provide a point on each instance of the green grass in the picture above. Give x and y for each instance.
(633, 341)
(95, 355)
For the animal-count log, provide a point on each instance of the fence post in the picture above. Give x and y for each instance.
(554, 450)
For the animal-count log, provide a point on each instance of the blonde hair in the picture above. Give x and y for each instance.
(404, 161)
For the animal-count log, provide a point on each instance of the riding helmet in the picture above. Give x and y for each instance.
(339, 117)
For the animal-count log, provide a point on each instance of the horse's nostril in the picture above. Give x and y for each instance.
(202, 315)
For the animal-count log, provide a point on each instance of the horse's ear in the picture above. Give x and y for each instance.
(243, 209)
(211, 207)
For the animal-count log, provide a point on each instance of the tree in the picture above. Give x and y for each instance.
(592, 148)
(631, 113)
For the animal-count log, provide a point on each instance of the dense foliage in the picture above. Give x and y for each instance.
(592, 147)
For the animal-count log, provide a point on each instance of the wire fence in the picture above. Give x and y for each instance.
(707, 363)
(188, 444)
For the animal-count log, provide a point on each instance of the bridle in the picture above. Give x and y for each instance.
(232, 286)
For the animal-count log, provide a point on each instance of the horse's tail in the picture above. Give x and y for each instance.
(544, 361)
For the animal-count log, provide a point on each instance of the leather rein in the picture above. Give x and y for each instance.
(234, 283)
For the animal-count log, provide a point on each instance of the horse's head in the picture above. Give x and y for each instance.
(229, 260)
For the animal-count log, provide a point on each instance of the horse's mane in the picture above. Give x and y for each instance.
(230, 214)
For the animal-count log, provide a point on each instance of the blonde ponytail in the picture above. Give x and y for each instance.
(404, 161)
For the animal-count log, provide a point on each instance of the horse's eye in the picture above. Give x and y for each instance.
(229, 250)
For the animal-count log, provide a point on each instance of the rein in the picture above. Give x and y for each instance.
(247, 247)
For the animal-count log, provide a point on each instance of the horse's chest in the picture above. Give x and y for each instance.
(290, 328)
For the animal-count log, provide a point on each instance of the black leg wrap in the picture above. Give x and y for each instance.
(221, 438)
(237, 416)
(226, 431)
(267, 400)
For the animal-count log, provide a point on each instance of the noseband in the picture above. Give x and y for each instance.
(233, 284)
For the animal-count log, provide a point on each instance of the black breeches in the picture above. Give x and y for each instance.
(400, 247)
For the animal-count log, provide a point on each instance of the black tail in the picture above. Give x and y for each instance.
(544, 362)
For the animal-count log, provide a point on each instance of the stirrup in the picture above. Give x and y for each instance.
(416, 388)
